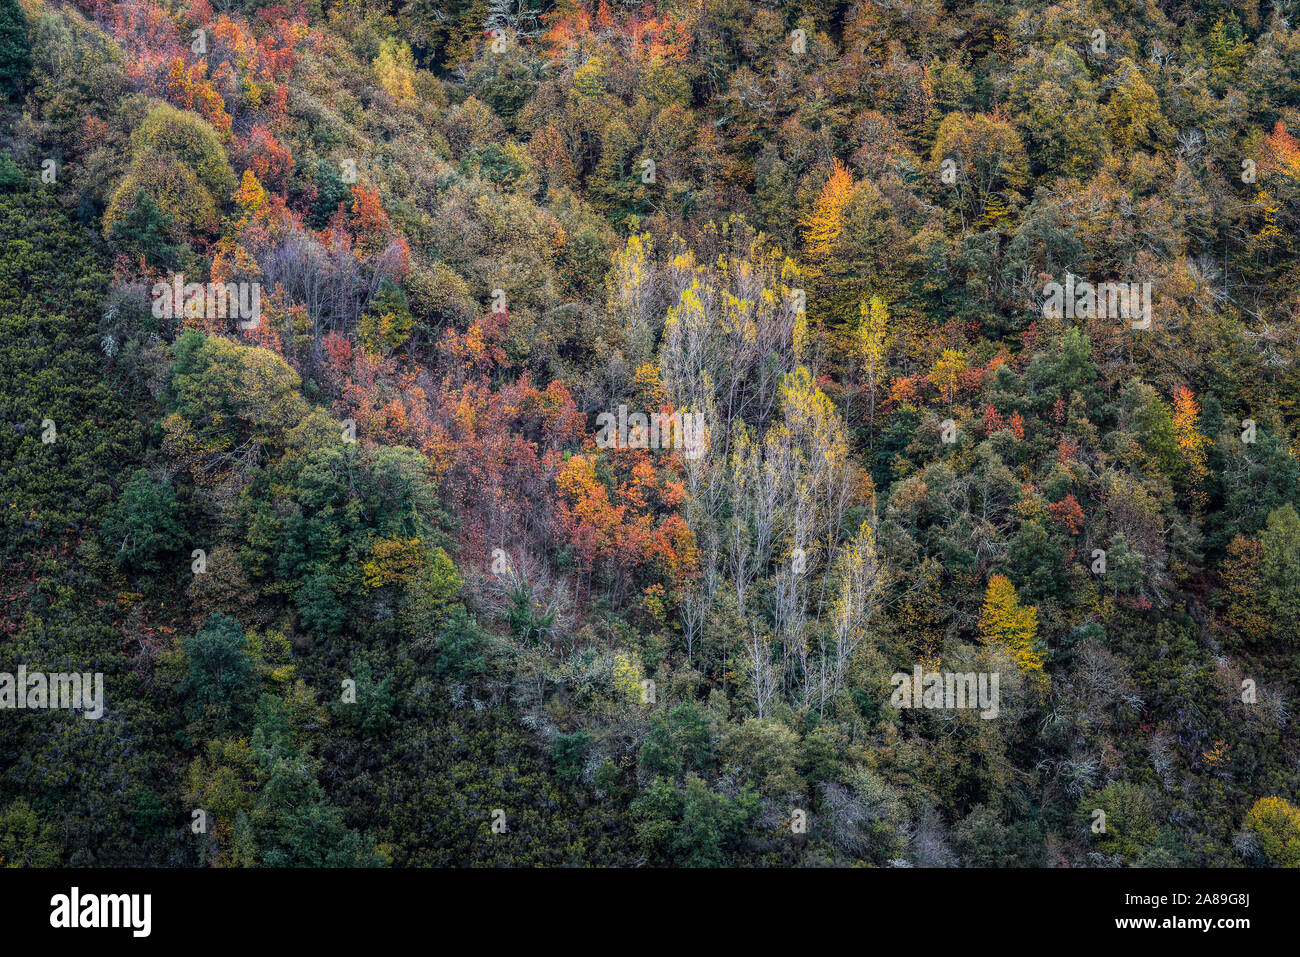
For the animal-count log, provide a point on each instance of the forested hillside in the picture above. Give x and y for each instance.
(610, 404)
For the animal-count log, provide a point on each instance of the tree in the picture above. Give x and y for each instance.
(232, 404)
(461, 647)
(387, 323)
(873, 339)
(822, 225)
(1057, 101)
(395, 67)
(568, 753)
(1005, 623)
(1279, 568)
(1132, 826)
(1190, 442)
(219, 674)
(431, 596)
(24, 840)
(180, 162)
(11, 177)
(946, 373)
(317, 601)
(330, 191)
(989, 166)
(1276, 823)
(145, 233)
(15, 50)
(1133, 112)
(143, 525)
(294, 823)
(660, 753)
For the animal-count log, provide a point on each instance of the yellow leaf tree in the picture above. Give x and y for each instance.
(1133, 114)
(947, 372)
(392, 561)
(1006, 623)
(395, 67)
(1276, 823)
(873, 338)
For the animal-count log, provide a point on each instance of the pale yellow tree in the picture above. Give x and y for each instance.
(946, 372)
(395, 67)
(766, 500)
(873, 340)
(859, 582)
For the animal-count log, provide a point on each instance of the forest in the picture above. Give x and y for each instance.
(650, 433)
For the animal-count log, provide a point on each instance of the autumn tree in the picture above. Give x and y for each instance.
(823, 223)
(1191, 443)
(1133, 115)
(822, 227)
(946, 373)
(395, 67)
(178, 160)
(1006, 623)
(988, 167)
(873, 340)
(1276, 825)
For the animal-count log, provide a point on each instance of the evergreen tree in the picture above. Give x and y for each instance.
(15, 50)
(145, 233)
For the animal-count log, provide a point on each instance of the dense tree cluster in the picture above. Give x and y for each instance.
(940, 336)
